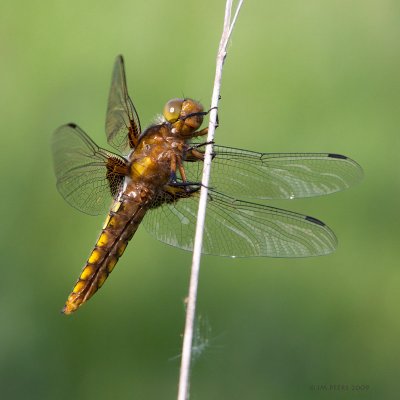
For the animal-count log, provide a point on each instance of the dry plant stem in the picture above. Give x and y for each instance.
(183, 391)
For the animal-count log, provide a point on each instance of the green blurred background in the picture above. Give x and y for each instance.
(300, 76)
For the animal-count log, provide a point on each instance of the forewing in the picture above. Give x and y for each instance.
(84, 171)
(122, 121)
(277, 175)
(240, 229)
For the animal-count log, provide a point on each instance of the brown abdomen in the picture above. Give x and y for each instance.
(119, 227)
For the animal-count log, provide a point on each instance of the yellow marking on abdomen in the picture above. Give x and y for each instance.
(111, 263)
(112, 222)
(94, 257)
(102, 279)
(78, 287)
(115, 207)
(103, 240)
(87, 272)
(119, 226)
(106, 221)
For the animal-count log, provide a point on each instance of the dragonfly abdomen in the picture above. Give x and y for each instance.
(119, 227)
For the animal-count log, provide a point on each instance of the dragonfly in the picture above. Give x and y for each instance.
(154, 176)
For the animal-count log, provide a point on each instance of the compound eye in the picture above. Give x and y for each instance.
(172, 110)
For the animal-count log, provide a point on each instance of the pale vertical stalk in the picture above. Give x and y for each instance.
(183, 391)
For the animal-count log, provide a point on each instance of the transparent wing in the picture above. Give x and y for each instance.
(122, 121)
(240, 229)
(277, 176)
(85, 172)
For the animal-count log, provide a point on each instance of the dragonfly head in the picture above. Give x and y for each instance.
(185, 115)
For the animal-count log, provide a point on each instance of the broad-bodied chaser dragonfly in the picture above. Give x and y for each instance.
(158, 181)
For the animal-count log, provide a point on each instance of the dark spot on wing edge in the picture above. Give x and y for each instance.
(72, 125)
(333, 155)
(315, 221)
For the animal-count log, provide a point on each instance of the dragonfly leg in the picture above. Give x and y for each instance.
(179, 188)
(174, 182)
(173, 193)
(176, 163)
(201, 132)
(193, 155)
(188, 187)
(185, 185)
(197, 145)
